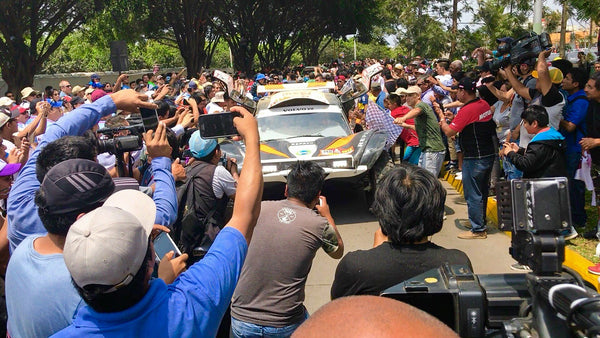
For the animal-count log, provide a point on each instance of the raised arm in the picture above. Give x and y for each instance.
(250, 184)
(544, 82)
(165, 196)
(517, 85)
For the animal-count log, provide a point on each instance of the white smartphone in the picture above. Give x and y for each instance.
(163, 244)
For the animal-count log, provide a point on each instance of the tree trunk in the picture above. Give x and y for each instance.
(19, 72)
(310, 51)
(454, 27)
(563, 29)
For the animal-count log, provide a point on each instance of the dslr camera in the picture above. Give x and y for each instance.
(527, 47)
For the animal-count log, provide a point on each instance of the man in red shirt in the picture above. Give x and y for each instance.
(476, 127)
(398, 108)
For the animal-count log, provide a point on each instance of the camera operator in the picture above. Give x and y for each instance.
(517, 106)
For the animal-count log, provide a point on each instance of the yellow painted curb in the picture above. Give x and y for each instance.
(573, 260)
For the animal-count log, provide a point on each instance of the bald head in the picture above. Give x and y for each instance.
(370, 316)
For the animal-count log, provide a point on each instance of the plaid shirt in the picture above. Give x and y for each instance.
(379, 119)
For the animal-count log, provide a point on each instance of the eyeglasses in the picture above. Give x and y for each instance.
(66, 86)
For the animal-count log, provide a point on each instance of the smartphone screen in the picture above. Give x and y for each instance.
(163, 244)
(149, 118)
(216, 125)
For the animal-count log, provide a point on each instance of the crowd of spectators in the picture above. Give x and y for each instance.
(78, 222)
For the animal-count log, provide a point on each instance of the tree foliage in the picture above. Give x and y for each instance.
(32, 30)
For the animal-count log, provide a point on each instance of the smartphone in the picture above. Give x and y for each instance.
(149, 119)
(163, 244)
(217, 125)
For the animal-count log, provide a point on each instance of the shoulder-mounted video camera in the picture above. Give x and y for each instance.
(527, 47)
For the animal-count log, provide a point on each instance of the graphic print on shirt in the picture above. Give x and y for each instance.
(286, 215)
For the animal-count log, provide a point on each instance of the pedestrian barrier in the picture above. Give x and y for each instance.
(573, 260)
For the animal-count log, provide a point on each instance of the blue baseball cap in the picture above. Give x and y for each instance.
(200, 147)
(260, 76)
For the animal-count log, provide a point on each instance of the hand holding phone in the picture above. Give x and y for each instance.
(217, 125)
(149, 119)
(163, 244)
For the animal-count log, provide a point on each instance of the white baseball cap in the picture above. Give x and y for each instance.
(108, 245)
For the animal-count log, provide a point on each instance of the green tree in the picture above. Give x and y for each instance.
(31, 31)
(187, 23)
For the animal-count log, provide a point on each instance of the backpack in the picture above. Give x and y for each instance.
(192, 234)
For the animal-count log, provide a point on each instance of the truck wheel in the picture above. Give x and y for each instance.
(381, 167)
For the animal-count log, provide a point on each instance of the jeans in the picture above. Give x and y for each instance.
(576, 190)
(412, 154)
(432, 161)
(241, 329)
(510, 170)
(476, 179)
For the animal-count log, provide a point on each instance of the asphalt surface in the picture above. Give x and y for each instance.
(357, 226)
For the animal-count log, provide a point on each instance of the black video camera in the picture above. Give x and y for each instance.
(524, 48)
(114, 143)
(550, 301)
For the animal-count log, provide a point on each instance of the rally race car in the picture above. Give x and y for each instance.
(312, 125)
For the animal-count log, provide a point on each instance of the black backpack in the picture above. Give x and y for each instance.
(192, 234)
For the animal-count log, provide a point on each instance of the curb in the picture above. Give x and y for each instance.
(573, 260)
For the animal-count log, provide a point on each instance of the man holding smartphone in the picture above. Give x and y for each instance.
(194, 304)
(270, 294)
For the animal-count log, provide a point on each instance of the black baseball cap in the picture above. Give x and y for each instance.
(75, 184)
(465, 83)
(506, 39)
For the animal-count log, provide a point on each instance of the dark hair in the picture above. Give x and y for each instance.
(305, 181)
(580, 76)
(122, 298)
(402, 83)
(396, 99)
(207, 90)
(174, 143)
(65, 148)
(163, 108)
(409, 204)
(198, 97)
(535, 113)
(596, 78)
(444, 64)
(59, 224)
(387, 74)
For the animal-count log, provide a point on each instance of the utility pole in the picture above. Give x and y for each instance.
(563, 29)
(537, 16)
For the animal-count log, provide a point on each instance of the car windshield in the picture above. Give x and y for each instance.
(309, 124)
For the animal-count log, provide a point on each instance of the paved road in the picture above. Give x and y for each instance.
(357, 227)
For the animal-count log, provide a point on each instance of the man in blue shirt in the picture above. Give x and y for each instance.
(572, 127)
(113, 277)
(22, 216)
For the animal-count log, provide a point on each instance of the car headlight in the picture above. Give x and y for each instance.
(339, 164)
(269, 168)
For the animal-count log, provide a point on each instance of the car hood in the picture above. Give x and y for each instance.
(309, 147)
